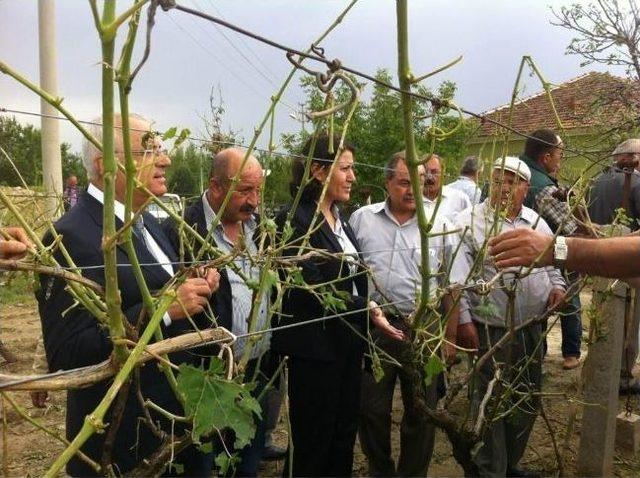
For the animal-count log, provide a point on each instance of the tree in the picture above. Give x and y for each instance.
(607, 32)
(189, 174)
(22, 146)
(376, 129)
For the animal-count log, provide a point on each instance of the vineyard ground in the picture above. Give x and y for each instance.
(30, 451)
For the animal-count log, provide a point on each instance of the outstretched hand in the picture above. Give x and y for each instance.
(521, 247)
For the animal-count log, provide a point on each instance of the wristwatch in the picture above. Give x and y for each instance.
(560, 251)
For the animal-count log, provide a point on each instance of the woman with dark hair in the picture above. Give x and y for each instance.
(325, 357)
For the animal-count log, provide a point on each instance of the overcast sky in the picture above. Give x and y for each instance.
(190, 56)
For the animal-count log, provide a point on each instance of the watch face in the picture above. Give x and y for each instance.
(560, 249)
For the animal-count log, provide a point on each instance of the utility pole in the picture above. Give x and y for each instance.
(303, 115)
(50, 132)
(300, 116)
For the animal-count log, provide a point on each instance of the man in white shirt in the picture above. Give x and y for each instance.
(448, 201)
(467, 182)
(493, 315)
(389, 237)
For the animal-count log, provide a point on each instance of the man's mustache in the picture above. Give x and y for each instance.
(247, 208)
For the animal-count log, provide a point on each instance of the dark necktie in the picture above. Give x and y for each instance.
(138, 230)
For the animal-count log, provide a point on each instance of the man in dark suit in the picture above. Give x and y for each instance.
(234, 229)
(74, 338)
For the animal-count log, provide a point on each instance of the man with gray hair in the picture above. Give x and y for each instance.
(389, 235)
(618, 188)
(74, 338)
(467, 182)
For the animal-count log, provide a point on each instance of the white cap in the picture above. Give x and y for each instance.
(515, 165)
(630, 146)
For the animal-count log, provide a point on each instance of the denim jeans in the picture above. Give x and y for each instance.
(571, 326)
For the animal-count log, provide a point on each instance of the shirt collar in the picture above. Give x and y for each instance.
(444, 193)
(537, 166)
(383, 207)
(98, 195)
(380, 207)
(526, 214)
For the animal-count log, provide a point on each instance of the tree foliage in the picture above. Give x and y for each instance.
(189, 172)
(376, 128)
(22, 145)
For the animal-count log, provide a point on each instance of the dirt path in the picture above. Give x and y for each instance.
(30, 451)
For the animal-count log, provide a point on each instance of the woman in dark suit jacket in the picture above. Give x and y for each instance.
(325, 357)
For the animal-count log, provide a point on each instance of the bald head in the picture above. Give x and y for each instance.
(244, 193)
(226, 163)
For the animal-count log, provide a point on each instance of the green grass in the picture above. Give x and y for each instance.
(15, 288)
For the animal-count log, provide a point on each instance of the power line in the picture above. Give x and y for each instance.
(245, 43)
(240, 52)
(336, 64)
(282, 154)
(217, 59)
(222, 63)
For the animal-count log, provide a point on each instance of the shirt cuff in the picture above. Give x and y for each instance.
(166, 319)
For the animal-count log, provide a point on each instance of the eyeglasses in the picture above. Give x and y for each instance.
(143, 152)
(156, 150)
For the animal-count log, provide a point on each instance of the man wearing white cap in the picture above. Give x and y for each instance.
(619, 187)
(505, 439)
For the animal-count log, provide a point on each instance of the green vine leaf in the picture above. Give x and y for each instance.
(182, 137)
(376, 366)
(331, 301)
(270, 225)
(296, 277)
(432, 369)
(215, 403)
(486, 309)
(287, 232)
(225, 463)
(170, 133)
(252, 284)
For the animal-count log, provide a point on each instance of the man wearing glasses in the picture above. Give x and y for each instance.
(450, 201)
(74, 338)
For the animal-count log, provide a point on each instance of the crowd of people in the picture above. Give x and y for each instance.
(371, 263)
